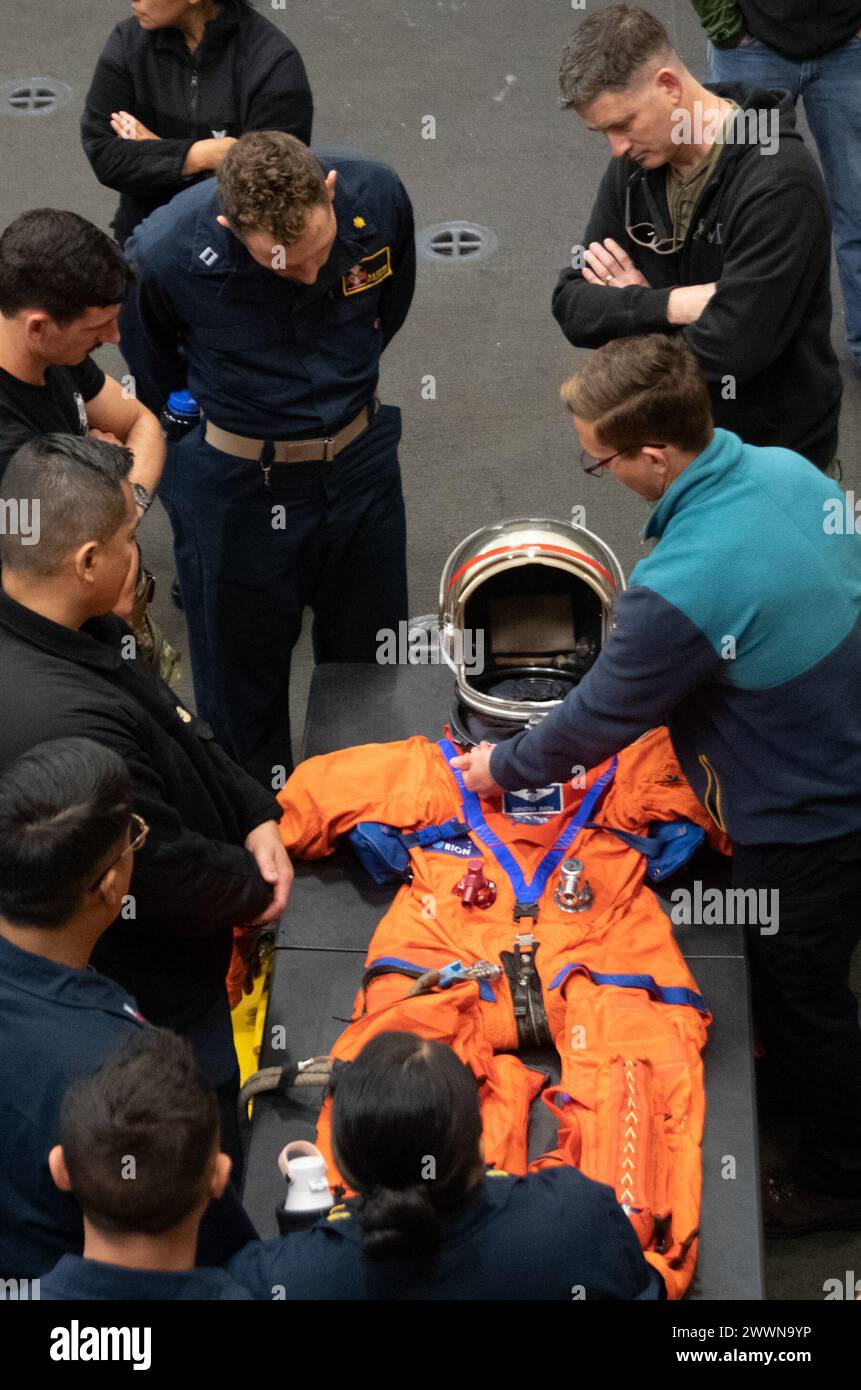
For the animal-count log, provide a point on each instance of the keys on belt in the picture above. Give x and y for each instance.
(267, 452)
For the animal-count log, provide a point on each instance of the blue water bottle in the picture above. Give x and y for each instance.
(180, 415)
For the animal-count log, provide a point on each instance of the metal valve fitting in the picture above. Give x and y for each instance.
(573, 893)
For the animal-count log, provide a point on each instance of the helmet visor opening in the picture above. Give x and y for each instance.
(537, 621)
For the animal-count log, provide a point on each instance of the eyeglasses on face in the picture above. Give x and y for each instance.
(595, 467)
(139, 831)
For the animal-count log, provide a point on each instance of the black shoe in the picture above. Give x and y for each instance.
(788, 1209)
(175, 594)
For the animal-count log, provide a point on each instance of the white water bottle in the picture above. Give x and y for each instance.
(308, 1193)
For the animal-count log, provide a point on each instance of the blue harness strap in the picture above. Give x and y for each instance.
(524, 893)
(453, 829)
(662, 994)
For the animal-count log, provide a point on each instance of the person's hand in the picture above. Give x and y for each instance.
(128, 127)
(264, 842)
(474, 766)
(608, 263)
(686, 302)
(748, 38)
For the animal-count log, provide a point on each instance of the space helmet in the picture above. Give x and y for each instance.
(525, 606)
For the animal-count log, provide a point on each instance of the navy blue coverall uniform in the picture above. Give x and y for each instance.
(550, 1235)
(58, 1023)
(94, 1281)
(271, 359)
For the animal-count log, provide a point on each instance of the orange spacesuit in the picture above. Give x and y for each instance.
(603, 981)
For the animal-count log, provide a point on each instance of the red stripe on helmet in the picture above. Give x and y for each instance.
(559, 549)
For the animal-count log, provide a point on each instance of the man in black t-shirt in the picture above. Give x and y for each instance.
(62, 284)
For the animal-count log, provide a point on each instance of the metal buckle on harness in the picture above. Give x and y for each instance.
(526, 996)
(479, 970)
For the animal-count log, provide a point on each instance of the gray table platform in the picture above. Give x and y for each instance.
(324, 935)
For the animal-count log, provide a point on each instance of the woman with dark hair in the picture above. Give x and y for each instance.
(430, 1222)
(175, 85)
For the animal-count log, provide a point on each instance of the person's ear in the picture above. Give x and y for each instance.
(223, 222)
(669, 84)
(657, 457)
(330, 184)
(111, 887)
(58, 1169)
(220, 1175)
(84, 562)
(36, 327)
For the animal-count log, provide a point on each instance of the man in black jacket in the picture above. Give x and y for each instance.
(712, 219)
(174, 86)
(811, 49)
(68, 666)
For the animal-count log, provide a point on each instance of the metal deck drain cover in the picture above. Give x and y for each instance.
(33, 96)
(458, 243)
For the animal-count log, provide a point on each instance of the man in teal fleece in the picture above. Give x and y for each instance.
(741, 632)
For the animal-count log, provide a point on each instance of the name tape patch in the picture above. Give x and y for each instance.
(533, 807)
(368, 272)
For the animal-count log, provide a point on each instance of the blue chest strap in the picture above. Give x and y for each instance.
(527, 894)
(453, 829)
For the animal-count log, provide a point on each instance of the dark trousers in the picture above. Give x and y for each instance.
(250, 559)
(806, 1013)
(211, 1040)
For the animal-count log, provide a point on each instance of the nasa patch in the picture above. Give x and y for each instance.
(533, 807)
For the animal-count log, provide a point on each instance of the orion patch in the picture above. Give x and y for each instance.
(462, 849)
(533, 807)
(368, 272)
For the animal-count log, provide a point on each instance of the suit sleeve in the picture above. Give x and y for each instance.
(765, 284)
(391, 783)
(150, 332)
(255, 804)
(653, 658)
(398, 290)
(722, 20)
(591, 315)
(283, 99)
(196, 884)
(140, 168)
